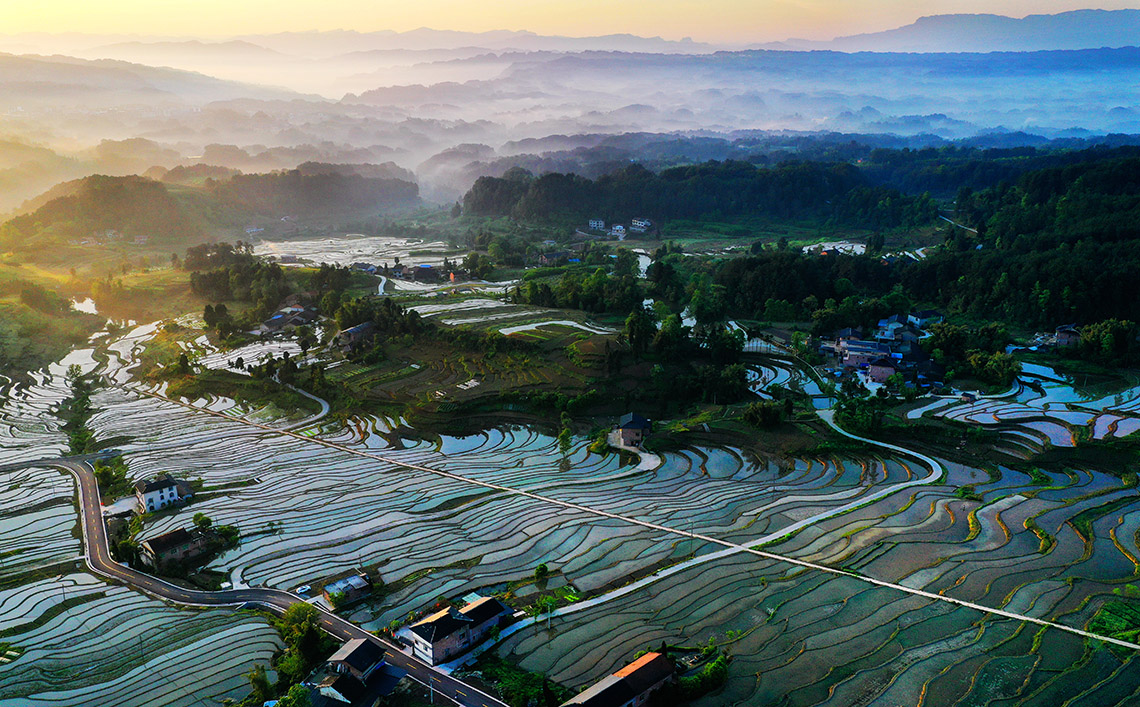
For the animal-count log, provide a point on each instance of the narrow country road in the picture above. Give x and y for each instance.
(101, 563)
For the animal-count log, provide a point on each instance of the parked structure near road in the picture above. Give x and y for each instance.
(161, 493)
(179, 545)
(632, 686)
(351, 588)
(447, 633)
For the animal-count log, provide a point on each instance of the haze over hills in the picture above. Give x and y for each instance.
(1079, 29)
(450, 106)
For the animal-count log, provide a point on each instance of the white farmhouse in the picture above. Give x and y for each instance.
(618, 231)
(160, 493)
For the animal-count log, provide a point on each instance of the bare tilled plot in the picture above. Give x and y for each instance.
(83, 642)
(808, 639)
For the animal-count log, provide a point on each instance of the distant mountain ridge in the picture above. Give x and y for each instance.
(1078, 29)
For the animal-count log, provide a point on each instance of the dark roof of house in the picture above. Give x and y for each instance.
(484, 609)
(633, 421)
(359, 654)
(443, 623)
(348, 687)
(440, 625)
(160, 484)
(867, 347)
(895, 319)
(646, 671)
(883, 362)
(848, 332)
(927, 314)
(610, 691)
(164, 542)
(360, 329)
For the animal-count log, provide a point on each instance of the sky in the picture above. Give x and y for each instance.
(703, 20)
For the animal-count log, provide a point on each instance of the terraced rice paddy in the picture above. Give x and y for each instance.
(1043, 410)
(483, 311)
(331, 511)
(356, 247)
(83, 642)
(38, 522)
(806, 639)
(1051, 546)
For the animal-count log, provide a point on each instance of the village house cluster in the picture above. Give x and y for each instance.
(639, 226)
(892, 349)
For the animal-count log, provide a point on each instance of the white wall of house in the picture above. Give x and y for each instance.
(156, 500)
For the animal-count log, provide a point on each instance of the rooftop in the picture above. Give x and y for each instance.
(627, 683)
(161, 484)
(359, 654)
(347, 584)
(633, 421)
(443, 623)
(164, 542)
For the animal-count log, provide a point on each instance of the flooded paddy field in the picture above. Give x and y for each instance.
(356, 247)
(1051, 545)
(83, 642)
(307, 511)
(801, 638)
(1043, 409)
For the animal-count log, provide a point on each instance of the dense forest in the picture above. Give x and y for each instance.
(1056, 246)
(224, 273)
(1050, 241)
(714, 190)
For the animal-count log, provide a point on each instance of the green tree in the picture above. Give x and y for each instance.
(640, 329)
(259, 681)
(297, 696)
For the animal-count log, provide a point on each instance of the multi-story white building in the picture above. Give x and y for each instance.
(160, 493)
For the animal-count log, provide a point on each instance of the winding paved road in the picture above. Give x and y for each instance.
(101, 563)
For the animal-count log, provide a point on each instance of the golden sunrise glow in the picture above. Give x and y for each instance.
(707, 20)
